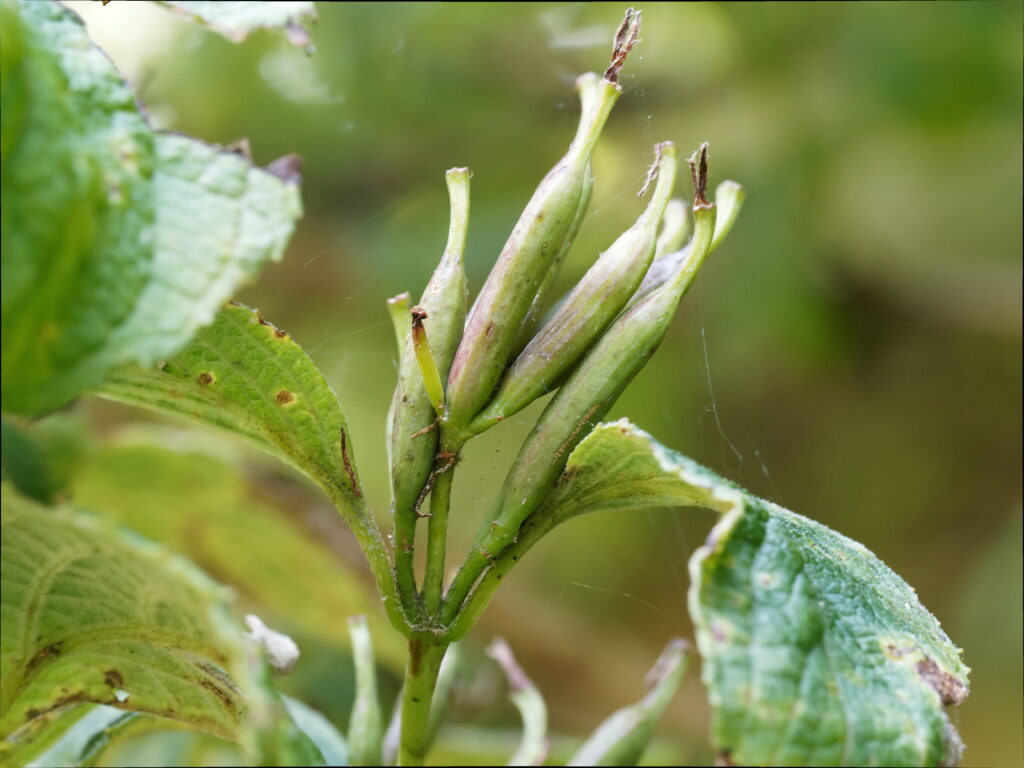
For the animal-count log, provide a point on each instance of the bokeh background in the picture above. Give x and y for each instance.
(852, 352)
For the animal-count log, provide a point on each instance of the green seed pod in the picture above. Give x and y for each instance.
(587, 86)
(497, 317)
(589, 308)
(675, 226)
(442, 314)
(728, 199)
(583, 401)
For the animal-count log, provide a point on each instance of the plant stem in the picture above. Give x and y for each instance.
(469, 613)
(354, 510)
(420, 678)
(437, 534)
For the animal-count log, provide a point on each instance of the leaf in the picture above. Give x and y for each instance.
(815, 652)
(235, 20)
(622, 739)
(83, 742)
(90, 615)
(179, 488)
(41, 735)
(319, 730)
(39, 458)
(533, 746)
(247, 377)
(118, 242)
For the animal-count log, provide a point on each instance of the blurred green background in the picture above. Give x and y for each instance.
(853, 352)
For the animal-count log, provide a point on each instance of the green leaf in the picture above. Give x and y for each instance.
(118, 243)
(92, 615)
(319, 730)
(247, 377)
(39, 458)
(93, 732)
(235, 20)
(815, 652)
(41, 735)
(622, 739)
(182, 489)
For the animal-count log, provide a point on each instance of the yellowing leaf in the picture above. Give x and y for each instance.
(90, 614)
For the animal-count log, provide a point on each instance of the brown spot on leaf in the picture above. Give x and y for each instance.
(348, 465)
(951, 690)
(280, 334)
(205, 379)
(221, 694)
(50, 651)
(220, 674)
(112, 678)
(284, 397)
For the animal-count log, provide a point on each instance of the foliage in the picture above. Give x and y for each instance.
(119, 242)
(813, 651)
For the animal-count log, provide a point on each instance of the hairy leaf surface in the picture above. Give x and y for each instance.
(90, 614)
(815, 652)
(167, 486)
(247, 377)
(118, 242)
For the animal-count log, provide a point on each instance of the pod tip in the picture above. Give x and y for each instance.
(402, 298)
(625, 39)
(699, 170)
(660, 149)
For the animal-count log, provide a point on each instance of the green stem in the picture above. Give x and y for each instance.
(367, 533)
(405, 535)
(463, 619)
(476, 562)
(437, 534)
(420, 678)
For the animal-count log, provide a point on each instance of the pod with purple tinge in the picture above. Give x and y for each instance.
(582, 402)
(591, 306)
(497, 316)
(587, 86)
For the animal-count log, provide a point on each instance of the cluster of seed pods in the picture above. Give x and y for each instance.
(461, 373)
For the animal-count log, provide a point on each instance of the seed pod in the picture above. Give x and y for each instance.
(587, 395)
(589, 308)
(728, 199)
(675, 226)
(587, 86)
(505, 299)
(398, 308)
(444, 306)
